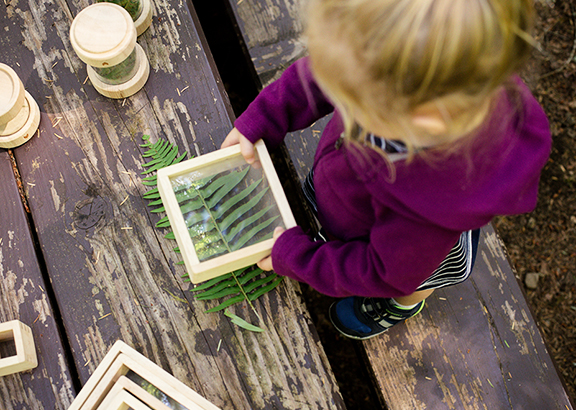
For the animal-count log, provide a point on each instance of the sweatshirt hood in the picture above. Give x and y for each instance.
(502, 164)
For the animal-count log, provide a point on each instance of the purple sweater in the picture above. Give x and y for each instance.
(392, 233)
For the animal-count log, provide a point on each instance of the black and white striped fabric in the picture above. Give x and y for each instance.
(388, 146)
(456, 267)
(310, 192)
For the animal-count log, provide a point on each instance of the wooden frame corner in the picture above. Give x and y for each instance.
(109, 385)
(25, 357)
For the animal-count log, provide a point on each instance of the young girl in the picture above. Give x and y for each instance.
(432, 135)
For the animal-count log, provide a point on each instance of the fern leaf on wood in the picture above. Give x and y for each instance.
(265, 289)
(227, 303)
(241, 322)
(245, 284)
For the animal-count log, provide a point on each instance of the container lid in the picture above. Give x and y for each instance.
(103, 34)
(11, 94)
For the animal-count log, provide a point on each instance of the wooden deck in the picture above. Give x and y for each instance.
(82, 264)
(80, 259)
(475, 346)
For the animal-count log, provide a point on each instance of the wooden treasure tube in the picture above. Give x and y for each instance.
(104, 37)
(139, 10)
(19, 112)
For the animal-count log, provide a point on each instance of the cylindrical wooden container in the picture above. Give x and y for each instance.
(19, 112)
(104, 37)
(139, 10)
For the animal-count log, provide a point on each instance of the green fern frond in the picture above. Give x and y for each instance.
(221, 213)
(246, 284)
(242, 323)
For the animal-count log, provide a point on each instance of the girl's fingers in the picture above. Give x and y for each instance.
(266, 263)
(246, 147)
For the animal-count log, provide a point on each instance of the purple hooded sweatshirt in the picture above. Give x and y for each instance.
(390, 232)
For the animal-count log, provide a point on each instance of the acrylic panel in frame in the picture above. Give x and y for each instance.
(223, 211)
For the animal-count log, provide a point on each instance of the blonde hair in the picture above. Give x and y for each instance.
(381, 61)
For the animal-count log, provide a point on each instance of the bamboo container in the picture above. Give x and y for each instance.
(104, 37)
(19, 112)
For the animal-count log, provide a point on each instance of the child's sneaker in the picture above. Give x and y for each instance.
(363, 318)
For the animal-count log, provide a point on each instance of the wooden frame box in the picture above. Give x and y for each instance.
(125, 385)
(25, 357)
(123, 400)
(199, 190)
(110, 385)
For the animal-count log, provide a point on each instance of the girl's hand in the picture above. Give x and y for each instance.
(266, 263)
(246, 147)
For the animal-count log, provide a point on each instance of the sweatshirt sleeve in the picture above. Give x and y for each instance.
(292, 102)
(393, 262)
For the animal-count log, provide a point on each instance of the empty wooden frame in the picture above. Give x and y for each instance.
(223, 211)
(110, 386)
(123, 401)
(25, 357)
(117, 395)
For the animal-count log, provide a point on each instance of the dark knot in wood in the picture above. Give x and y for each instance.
(89, 212)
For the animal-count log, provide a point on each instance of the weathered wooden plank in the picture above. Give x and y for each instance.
(474, 346)
(272, 30)
(114, 275)
(23, 297)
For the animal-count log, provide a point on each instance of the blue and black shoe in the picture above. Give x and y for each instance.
(362, 318)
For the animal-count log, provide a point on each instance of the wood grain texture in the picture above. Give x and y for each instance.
(23, 297)
(272, 30)
(113, 273)
(474, 346)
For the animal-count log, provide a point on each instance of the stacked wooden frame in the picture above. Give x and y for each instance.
(109, 387)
